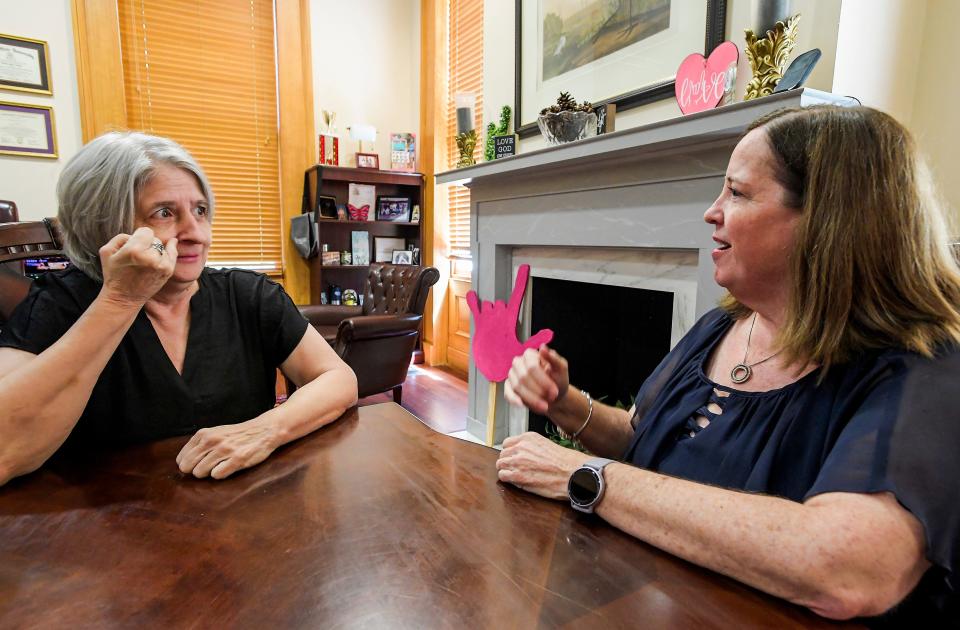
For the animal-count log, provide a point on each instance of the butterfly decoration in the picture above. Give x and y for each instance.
(358, 214)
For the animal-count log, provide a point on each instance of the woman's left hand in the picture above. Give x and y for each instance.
(218, 452)
(535, 464)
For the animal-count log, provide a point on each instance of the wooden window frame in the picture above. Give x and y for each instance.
(469, 16)
(102, 103)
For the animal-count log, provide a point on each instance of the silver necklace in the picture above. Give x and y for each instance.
(742, 371)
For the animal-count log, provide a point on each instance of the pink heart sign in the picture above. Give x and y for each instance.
(701, 82)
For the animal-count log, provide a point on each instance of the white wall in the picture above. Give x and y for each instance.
(366, 68)
(896, 55)
(879, 47)
(934, 119)
(31, 182)
(818, 29)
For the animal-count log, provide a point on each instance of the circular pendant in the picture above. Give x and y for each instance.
(740, 373)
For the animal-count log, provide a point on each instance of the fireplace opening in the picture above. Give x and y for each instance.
(613, 337)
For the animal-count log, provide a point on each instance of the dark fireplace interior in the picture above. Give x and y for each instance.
(613, 337)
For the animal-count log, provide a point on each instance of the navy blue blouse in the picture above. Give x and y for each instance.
(886, 422)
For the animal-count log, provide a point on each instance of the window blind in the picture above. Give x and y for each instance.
(203, 72)
(465, 74)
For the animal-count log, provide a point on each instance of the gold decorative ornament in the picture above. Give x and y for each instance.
(466, 143)
(768, 56)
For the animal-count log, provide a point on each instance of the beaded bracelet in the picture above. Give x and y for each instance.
(589, 414)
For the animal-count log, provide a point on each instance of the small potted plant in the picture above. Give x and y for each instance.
(566, 121)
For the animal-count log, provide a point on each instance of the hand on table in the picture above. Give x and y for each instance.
(495, 342)
(133, 270)
(535, 464)
(537, 379)
(218, 452)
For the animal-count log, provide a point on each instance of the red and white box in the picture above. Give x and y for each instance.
(329, 150)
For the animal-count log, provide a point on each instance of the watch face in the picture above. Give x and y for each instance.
(584, 486)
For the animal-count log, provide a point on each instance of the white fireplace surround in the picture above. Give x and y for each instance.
(623, 209)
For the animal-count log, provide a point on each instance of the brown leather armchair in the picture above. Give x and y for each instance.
(377, 339)
(19, 241)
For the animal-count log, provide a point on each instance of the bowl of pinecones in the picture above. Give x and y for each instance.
(567, 121)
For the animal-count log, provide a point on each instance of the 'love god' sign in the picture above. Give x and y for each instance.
(701, 82)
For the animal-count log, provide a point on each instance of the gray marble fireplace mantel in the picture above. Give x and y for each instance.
(715, 124)
(623, 209)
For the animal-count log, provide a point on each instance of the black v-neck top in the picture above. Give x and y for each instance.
(886, 422)
(242, 327)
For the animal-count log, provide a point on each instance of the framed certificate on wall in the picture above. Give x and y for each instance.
(24, 65)
(27, 130)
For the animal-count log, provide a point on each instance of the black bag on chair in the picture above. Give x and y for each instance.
(303, 233)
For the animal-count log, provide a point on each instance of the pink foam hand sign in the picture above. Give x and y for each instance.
(495, 342)
(701, 82)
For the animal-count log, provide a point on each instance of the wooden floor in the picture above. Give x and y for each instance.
(433, 394)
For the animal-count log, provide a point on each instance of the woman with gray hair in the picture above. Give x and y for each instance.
(140, 341)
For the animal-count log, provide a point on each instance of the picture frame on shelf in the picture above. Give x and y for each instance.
(625, 71)
(327, 207)
(25, 65)
(360, 246)
(342, 212)
(403, 152)
(402, 257)
(384, 246)
(368, 160)
(393, 209)
(361, 200)
(330, 259)
(415, 214)
(27, 130)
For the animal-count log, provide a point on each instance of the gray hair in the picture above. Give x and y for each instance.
(98, 190)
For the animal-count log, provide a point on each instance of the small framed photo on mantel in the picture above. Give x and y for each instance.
(24, 65)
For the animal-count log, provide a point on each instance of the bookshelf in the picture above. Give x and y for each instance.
(334, 181)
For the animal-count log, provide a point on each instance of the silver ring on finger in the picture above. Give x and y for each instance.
(159, 246)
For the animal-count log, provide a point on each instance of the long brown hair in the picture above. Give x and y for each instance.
(871, 265)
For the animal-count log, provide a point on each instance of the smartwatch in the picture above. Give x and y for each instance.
(586, 484)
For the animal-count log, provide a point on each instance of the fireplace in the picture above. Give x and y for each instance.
(612, 336)
(623, 209)
(641, 302)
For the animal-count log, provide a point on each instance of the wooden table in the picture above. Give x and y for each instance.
(374, 521)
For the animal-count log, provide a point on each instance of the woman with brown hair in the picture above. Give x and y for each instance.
(802, 437)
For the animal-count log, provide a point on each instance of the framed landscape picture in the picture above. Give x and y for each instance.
(621, 52)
